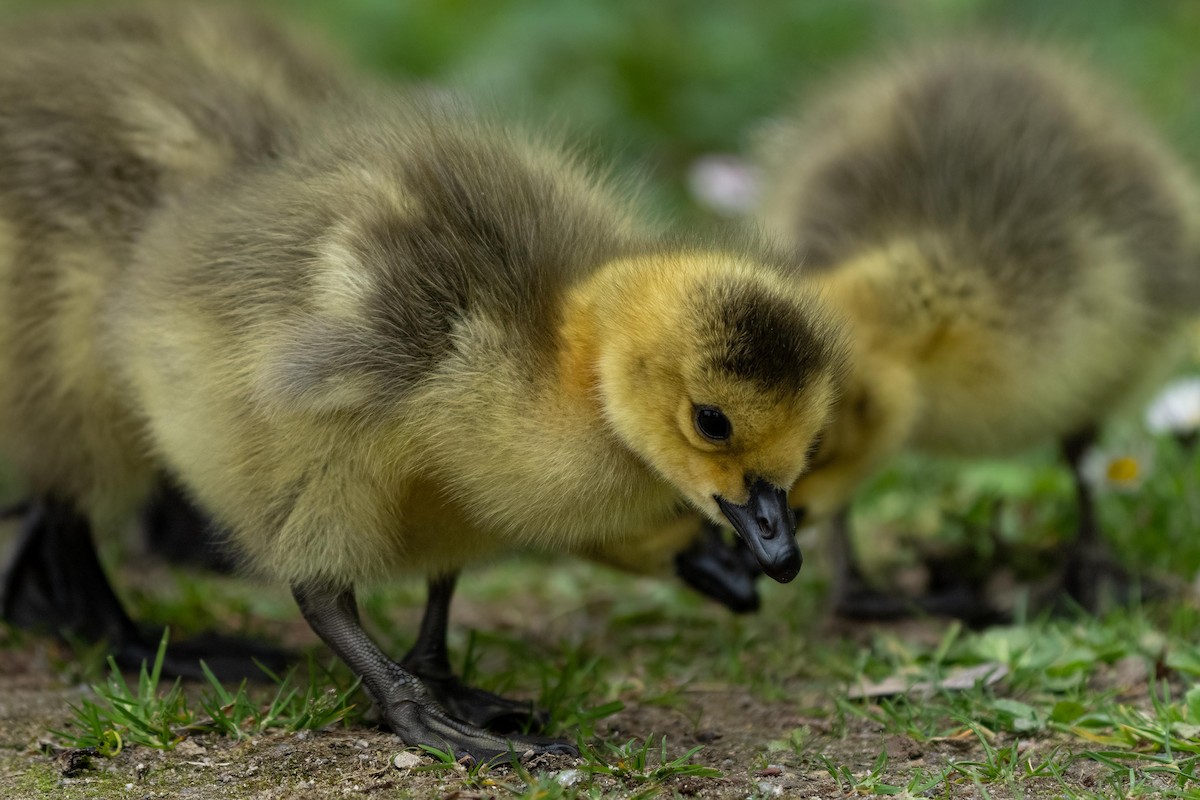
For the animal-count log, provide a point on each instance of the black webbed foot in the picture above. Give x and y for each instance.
(961, 602)
(429, 661)
(1093, 580)
(954, 589)
(425, 722)
(871, 605)
(407, 703)
(55, 584)
(723, 572)
(484, 709)
(229, 658)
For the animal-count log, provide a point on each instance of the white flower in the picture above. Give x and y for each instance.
(724, 183)
(1176, 409)
(1116, 472)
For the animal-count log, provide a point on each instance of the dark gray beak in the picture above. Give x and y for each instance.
(768, 527)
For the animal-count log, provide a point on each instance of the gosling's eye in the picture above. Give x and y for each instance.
(712, 423)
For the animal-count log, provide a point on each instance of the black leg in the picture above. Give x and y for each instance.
(951, 593)
(56, 584)
(725, 573)
(1091, 574)
(179, 532)
(853, 596)
(406, 703)
(848, 579)
(429, 661)
(1074, 448)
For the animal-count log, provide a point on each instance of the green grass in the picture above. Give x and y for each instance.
(145, 714)
(643, 768)
(642, 763)
(1048, 696)
(157, 715)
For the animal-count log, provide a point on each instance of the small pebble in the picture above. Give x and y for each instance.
(769, 789)
(568, 777)
(406, 760)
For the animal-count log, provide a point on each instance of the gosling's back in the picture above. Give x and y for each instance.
(998, 222)
(105, 117)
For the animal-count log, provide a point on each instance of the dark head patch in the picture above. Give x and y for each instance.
(753, 335)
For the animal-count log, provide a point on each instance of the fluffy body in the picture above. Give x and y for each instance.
(1015, 252)
(103, 117)
(366, 331)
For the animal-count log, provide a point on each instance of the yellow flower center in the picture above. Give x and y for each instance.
(1122, 470)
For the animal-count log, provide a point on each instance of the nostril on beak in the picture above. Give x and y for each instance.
(764, 526)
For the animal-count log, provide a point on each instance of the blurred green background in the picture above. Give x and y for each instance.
(654, 84)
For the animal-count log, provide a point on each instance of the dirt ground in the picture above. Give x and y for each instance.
(734, 726)
(745, 730)
(359, 762)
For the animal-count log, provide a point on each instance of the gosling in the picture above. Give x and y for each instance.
(367, 333)
(1015, 252)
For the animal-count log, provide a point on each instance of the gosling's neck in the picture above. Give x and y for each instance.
(530, 456)
(904, 296)
(596, 315)
(891, 334)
